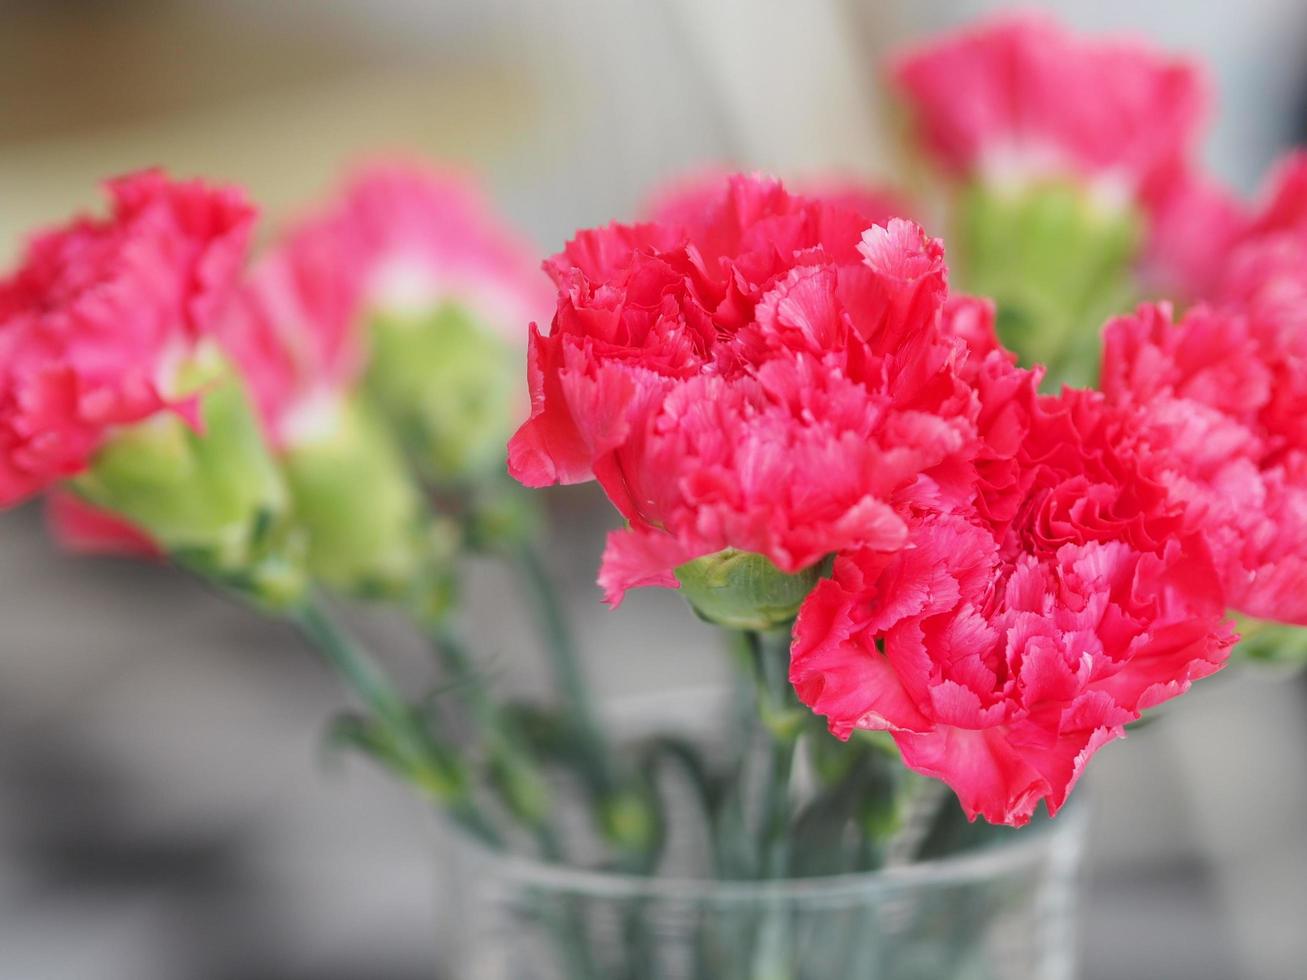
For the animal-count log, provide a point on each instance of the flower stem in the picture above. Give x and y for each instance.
(514, 769)
(773, 939)
(559, 643)
(625, 820)
(411, 750)
(777, 710)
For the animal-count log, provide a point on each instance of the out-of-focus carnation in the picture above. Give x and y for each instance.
(113, 387)
(1018, 99)
(1193, 223)
(765, 374)
(447, 291)
(1015, 637)
(97, 322)
(1076, 188)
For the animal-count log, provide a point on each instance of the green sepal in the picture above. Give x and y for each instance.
(743, 590)
(1057, 261)
(211, 495)
(364, 516)
(450, 384)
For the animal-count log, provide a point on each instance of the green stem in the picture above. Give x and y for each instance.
(772, 945)
(560, 646)
(626, 820)
(515, 771)
(777, 709)
(414, 752)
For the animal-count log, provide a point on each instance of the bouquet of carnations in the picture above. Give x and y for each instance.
(959, 534)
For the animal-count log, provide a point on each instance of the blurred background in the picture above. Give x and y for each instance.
(167, 811)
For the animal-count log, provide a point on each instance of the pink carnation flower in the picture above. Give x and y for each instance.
(1018, 97)
(1225, 392)
(424, 238)
(766, 375)
(1014, 638)
(102, 311)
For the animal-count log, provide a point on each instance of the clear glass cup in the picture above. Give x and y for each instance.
(1003, 911)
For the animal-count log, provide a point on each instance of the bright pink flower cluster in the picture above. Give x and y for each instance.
(1014, 580)
(765, 374)
(100, 315)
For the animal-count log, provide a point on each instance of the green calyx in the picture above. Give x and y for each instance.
(1057, 261)
(744, 590)
(449, 384)
(364, 517)
(212, 497)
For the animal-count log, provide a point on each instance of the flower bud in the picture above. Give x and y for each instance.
(450, 384)
(1057, 259)
(743, 590)
(207, 490)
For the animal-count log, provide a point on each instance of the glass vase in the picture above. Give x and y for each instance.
(1001, 911)
(1004, 913)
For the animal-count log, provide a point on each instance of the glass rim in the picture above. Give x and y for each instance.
(1027, 846)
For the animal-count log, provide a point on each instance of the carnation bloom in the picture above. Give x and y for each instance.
(1193, 223)
(1015, 637)
(764, 374)
(1019, 99)
(427, 238)
(115, 394)
(1284, 208)
(1075, 186)
(1225, 391)
(444, 291)
(102, 315)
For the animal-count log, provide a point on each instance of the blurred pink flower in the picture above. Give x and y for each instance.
(425, 237)
(100, 315)
(1018, 97)
(764, 374)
